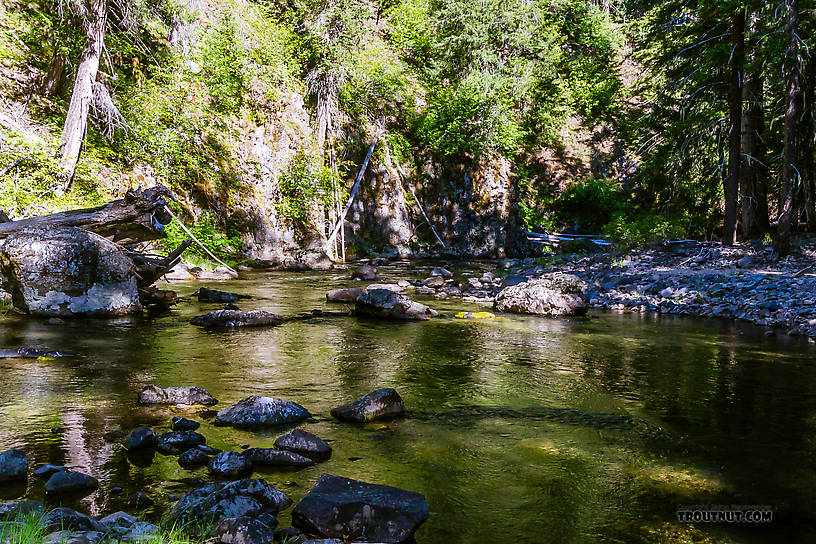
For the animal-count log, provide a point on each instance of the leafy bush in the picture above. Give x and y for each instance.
(207, 232)
(643, 230)
(588, 205)
(306, 183)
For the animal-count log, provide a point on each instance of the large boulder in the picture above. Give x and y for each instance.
(388, 304)
(380, 404)
(68, 271)
(13, 465)
(555, 294)
(175, 395)
(231, 319)
(216, 501)
(64, 483)
(255, 412)
(348, 509)
(279, 458)
(304, 443)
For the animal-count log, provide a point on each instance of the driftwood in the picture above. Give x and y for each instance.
(138, 217)
(150, 268)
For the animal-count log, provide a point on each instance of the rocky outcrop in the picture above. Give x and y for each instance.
(255, 412)
(380, 404)
(176, 395)
(231, 319)
(388, 304)
(553, 295)
(352, 510)
(13, 465)
(68, 271)
(304, 443)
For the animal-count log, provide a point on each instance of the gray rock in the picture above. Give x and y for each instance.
(273, 457)
(353, 510)
(216, 501)
(13, 465)
(433, 281)
(254, 412)
(73, 537)
(348, 294)
(184, 424)
(380, 404)
(68, 271)
(63, 483)
(176, 395)
(231, 464)
(365, 272)
(193, 457)
(441, 272)
(213, 295)
(513, 279)
(140, 437)
(304, 443)
(388, 304)
(10, 510)
(63, 518)
(555, 294)
(118, 519)
(242, 530)
(141, 532)
(45, 471)
(177, 442)
(231, 319)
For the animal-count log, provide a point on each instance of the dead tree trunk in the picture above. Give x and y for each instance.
(53, 77)
(76, 120)
(789, 149)
(729, 236)
(808, 168)
(138, 217)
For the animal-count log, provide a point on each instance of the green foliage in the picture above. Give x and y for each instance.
(647, 229)
(223, 68)
(305, 183)
(588, 205)
(224, 246)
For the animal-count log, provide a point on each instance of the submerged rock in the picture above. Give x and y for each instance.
(176, 442)
(380, 404)
(281, 458)
(139, 500)
(304, 443)
(230, 464)
(348, 509)
(553, 295)
(68, 271)
(230, 319)
(255, 411)
(242, 530)
(391, 305)
(140, 437)
(63, 483)
(176, 395)
(213, 295)
(13, 465)
(216, 501)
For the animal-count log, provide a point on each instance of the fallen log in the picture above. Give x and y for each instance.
(150, 268)
(140, 216)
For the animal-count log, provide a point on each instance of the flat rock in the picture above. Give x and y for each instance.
(184, 424)
(213, 295)
(176, 395)
(553, 295)
(140, 437)
(13, 465)
(177, 442)
(63, 483)
(380, 404)
(304, 443)
(387, 304)
(348, 509)
(45, 471)
(230, 464)
(242, 530)
(255, 412)
(230, 319)
(275, 457)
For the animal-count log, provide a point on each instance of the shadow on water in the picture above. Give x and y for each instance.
(519, 428)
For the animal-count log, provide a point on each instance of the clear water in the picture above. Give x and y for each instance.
(720, 413)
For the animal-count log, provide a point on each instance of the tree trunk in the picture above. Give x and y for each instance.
(51, 81)
(729, 236)
(76, 120)
(809, 143)
(789, 148)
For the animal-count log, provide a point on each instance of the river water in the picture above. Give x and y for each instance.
(664, 411)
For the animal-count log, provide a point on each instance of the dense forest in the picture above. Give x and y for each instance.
(641, 120)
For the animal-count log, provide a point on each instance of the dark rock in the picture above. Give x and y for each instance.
(230, 464)
(62, 518)
(10, 510)
(116, 490)
(242, 530)
(139, 500)
(229, 306)
(118, 519)
(348, 294)
(113, 436)
(513, 279)
(391, 305)
(352, 510)
(289, 534)
(141, 458)
(380, 404)
(63, 483)
(140, 437)
(74, 537)
(552, 295)
(140, 532)
(208, 450)
(176, 395)
(176, 442)
(270, 520)
(193, 457)
(68, 271)
(254, 412)
(213, 295)
(45, 471)
(216, 501)
(365, 272)
(230, 319)
(273, 457)
(184, 424)
(13, 465)
(441, 272)
(305, 444)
